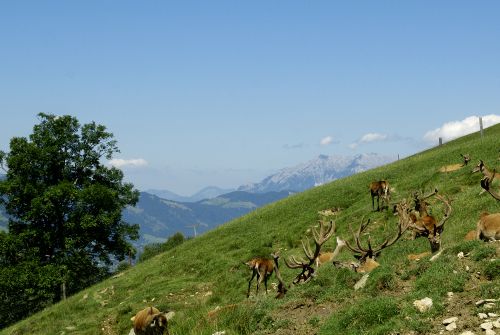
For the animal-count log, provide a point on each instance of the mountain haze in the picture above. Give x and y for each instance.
(205, 193)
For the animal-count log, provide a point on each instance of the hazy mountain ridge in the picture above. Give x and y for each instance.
(205, 193)
(160, 218)
(318, 171)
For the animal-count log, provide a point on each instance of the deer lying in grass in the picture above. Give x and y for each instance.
(455, 167)
(380, 189)
(486, 183)
(487, 174)
(366, 255)
(488, 227)
(320, 237)
(150, 321)
(427, 225)
(263, 268)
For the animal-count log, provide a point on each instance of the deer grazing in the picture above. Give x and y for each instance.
(486, 183)
(487, 174)
(263, 268)
(427, 225)
(488, 227)
(379, 189)
(320, 237)
(366, 255)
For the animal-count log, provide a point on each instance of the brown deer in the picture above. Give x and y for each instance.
(486, 183)
(150, 321)
(366, 255)
(455, 167)
(320, 237)
(488, 227)
(379, 189)
(427, 225)
(487, 174)
(263, 268)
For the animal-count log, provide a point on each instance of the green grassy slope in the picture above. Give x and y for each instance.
(204, 280)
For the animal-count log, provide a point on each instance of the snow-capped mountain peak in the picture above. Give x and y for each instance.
(318, 171)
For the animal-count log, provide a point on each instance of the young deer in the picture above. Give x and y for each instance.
(263, 268)
(379, 189)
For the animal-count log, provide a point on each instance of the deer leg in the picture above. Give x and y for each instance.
(250, 282)
(260, 277)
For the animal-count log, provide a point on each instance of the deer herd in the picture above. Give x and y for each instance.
(414, 215)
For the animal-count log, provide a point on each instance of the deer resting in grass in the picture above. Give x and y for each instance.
(427, 225)
(487, 175)
(379, 189)
(366, 255)
(263, 268)
(486, 183)
(320, 237)
(150, 321)
(488, 227)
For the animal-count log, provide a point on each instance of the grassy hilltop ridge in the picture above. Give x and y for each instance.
(205, 282)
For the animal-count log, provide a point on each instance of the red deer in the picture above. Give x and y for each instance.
(427, 225)
(150, 321)
(379, 189)
(455, 167)
(366, 255)
(263, 268)
(320, 237)
(488, 227)
(486, 183)
(487, 174)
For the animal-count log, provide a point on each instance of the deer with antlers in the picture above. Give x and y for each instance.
(366, 255)
(427, 225)
(379, 189)
(320, 237)
(486, 183)
(487, 174)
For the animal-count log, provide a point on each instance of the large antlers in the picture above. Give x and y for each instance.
(363, 253)
(320, 237)
(486, 184)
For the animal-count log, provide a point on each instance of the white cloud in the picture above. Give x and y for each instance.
(326, 140)
(368, 138)
(372, 137)
(121, 163)
(454, 129)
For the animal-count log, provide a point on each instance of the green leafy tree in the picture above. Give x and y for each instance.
(64, 204)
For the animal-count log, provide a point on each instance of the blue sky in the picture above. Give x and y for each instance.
(223, 93)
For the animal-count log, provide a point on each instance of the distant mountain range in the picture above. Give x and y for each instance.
(318, 171)
(160, 218)
(206, 193)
